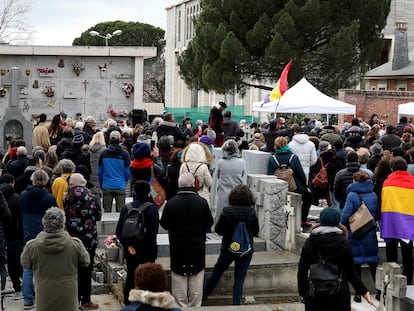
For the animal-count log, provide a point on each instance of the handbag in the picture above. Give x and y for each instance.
(361, 222)
(157, 191)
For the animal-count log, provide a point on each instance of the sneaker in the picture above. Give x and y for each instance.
(17, 296)
(357, 298)
(28, 306)
(89, 306)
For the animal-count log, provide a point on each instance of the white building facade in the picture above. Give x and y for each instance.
(180, 31)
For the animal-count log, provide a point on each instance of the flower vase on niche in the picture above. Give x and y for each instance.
(36, 84)
(49, 92)
(3, 91)
(77, 68)
(128, 88)
(61, 63)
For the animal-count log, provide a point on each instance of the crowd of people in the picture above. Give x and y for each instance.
(82, 169)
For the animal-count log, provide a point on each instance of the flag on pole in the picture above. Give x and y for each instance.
(280, 87)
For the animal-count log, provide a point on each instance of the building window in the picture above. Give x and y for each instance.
(402, 85)
(382, 85)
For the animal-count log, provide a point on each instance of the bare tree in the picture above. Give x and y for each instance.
(13, 29)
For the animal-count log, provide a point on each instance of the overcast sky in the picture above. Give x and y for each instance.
(59, 22)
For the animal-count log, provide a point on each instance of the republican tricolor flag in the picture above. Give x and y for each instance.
(397, 212)
(281, 85)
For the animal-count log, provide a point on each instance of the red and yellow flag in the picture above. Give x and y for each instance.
(282, 84)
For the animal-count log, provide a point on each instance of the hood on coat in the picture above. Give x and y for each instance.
(52, 243)
(197, 152)
(114, 149)
(167, 123)
(162, 300)
(365, 186)
(96, 148)
(6, 189)
(35, 193)
(300, 138)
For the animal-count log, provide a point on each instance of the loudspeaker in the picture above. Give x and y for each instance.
(139, 116)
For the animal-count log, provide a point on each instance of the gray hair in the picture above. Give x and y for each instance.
(66, 166)
(230, 146)
(186, 180)
(39, 178)
(54, 220)
(21, 150)
(39, 152)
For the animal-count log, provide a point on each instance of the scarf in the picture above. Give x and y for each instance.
(141, 164)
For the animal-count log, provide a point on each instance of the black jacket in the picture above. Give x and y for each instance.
(146, 250)
(170, 128)
(14, 232)
(337, 250)
(229, 219)
(344, 178)
(5, 216)
(187, 217)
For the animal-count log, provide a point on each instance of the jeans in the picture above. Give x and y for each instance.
(241, 265)
(109, 195)
(28, 287)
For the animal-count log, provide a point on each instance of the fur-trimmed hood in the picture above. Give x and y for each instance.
(156, 299)
(197, 152)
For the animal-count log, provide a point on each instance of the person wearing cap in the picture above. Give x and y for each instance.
(76, 154)
(34, 202)
(139, 252)
(60, 185)
(328, 241)
(390, 140)
(114, 173)
(55, 258)
(83, 210)
(215, 122)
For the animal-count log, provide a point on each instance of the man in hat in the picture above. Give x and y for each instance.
(390, 140)
(55, 257)
(376, 154)
(114, 173)
(216, 122)
(75, 153)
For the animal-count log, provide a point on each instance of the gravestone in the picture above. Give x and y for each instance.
(13, 124)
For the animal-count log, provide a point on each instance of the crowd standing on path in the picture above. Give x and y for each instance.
(75, 165)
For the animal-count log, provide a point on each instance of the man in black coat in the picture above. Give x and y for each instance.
(169, 127)
(139, 252)
(187, 218)
(345, 177)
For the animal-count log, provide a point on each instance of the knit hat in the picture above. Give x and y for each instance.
(77, 180)
(376, 148)
(330, 217)
(323, 145)
(77, 141)
(115, 135)
(206, 140)
(54, 220)
(141, 150)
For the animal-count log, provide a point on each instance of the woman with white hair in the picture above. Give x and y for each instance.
(230, 172)
(55, 257)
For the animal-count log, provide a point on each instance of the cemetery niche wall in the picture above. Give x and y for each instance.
(77, 80)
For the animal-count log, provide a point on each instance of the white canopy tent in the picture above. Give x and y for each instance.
(407, 108)
(303, 97)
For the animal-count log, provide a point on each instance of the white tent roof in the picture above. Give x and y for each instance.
(407, 108)
(303, 97)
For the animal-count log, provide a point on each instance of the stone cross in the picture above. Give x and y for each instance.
(393, 286)
(14, 81)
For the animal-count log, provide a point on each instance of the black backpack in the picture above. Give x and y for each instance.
(324, 278)
(240, 244)
(133, 228)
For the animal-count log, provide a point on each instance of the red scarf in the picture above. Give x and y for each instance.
(143, 163)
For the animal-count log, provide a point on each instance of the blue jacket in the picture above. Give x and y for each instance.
(365, 249)
(298, 174)
(34, 202)
(113, 168)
